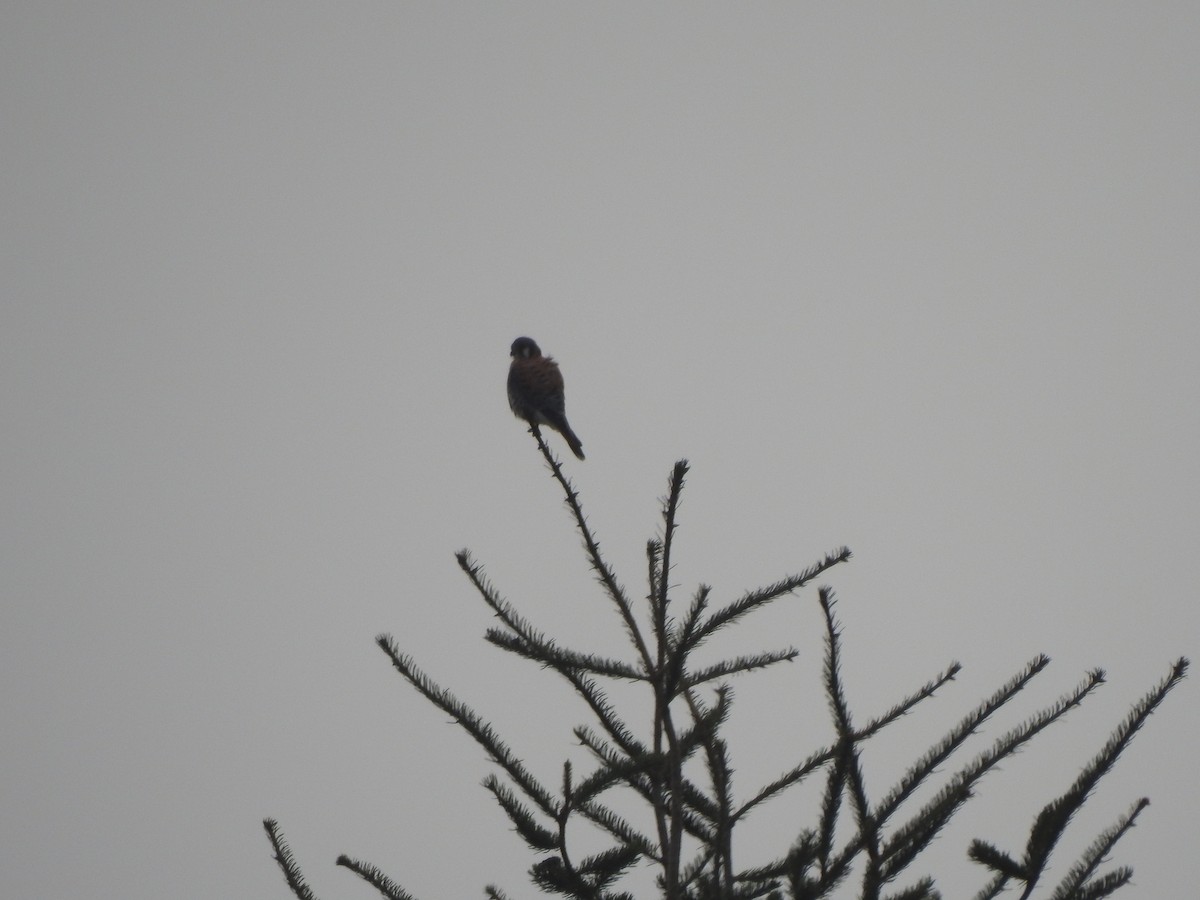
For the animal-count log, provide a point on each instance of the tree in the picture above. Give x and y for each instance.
(678, 769)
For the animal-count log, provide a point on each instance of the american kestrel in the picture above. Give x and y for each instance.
(535, 391)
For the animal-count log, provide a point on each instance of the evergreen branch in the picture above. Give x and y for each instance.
(608, 865)
(528, 642)
(721, 775)
(1106, 885)
(848, 759)
(767, 890)
(915, 835)
(668, 805)
(634, 771)
(605, 818)
(375, 878)
(912, 837)
(833, 676)
(922, 890)
(673, 818)
(605, 574)
(831, 805)
(691, 621)
(941, 751)
(659, 588)
(602, 709)
(553, 876)
(706, 725)
(695, 810)
(702, 734)
(754, 599)
(821, 757)
(786, 780)
(1095, 854)
(744, 891)
(739, 665)
(699, 820)
(287, 862)
(501, 607)
(695, 869)
(610, 756)
(550, 654)
(868, 825)
(483, 733)
(1052, 821)
(616, 770)
(628, 770)
(905, 706)
(655, 578)
(704, 806)
(520, 637)
(653, 568)
(525, 638)
(753, 888)
(537, 837)
(833, 874)
(695, 821)
(706, 721)
(669, 842)
(794, 866)
(563, 815)
(993, 888)
(680, 644)
(995, 859)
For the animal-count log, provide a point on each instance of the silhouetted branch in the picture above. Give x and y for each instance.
(471, 723)
(1095, 854)
(941, 751)
(739, 665)
(1052, 821)
(785, 781)
(913, 836)
(548, 653)
(848, 759)
(283, 856)
(676, 761)
(606, 575)
(905, 706)
(375, 878)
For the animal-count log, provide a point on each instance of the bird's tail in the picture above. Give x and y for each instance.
(572, 440)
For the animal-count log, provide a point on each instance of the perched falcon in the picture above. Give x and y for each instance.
(535, 391)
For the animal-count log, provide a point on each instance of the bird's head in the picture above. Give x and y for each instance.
(524, 348)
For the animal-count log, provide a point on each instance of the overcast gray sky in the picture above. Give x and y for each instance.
(916, 278)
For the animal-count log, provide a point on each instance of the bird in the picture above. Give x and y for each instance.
(535, 391)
